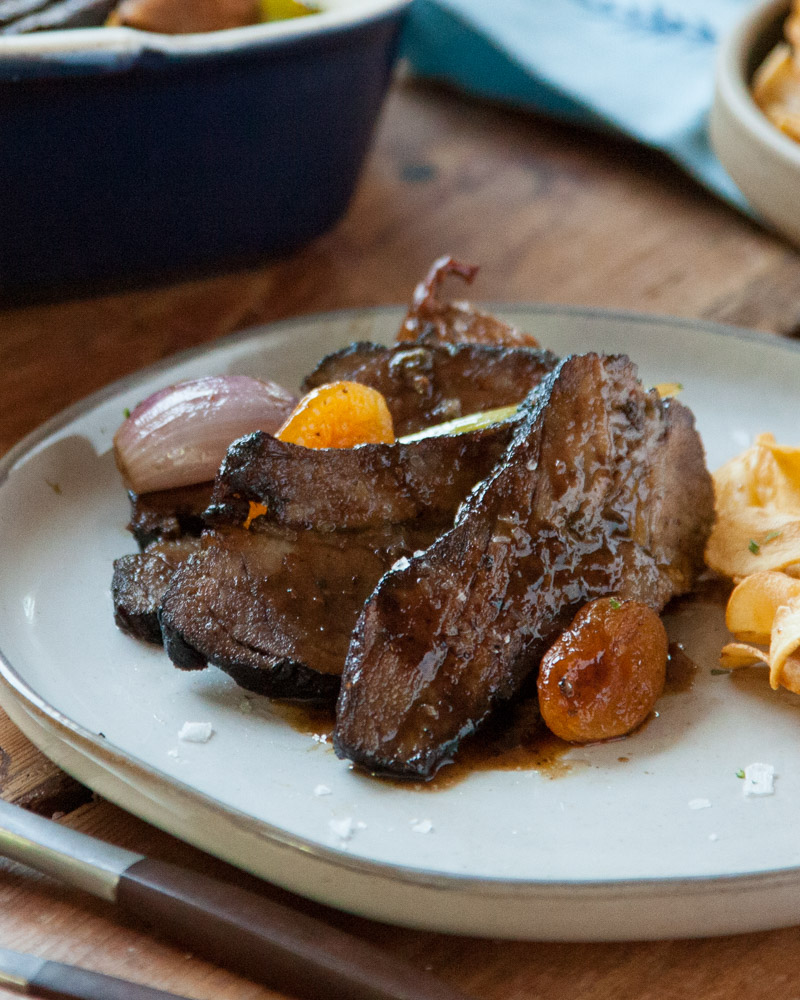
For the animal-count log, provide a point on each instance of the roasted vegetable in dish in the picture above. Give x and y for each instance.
(170, 17)
(455, 322)
(423, 577)
(179, 435)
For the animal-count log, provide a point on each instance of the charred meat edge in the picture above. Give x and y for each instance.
(140, 581)
(354, 488)
(603, 490)
(168, 514)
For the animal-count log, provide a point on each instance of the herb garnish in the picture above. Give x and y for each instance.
(615, 604)
(771, 536)
(740, 773)
(126, 412)
(716, 671)
(754, 547)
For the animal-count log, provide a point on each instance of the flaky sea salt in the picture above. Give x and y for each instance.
(343, 828)
(322, 790)
(758, 779)
(196, 732)
(421, 826)
(699, 804)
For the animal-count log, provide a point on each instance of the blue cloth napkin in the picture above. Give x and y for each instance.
(645, 69)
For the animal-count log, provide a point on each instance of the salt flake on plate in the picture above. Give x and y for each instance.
(421, 826)
(196, 732)
(699, 804)
(758, 779)
(343, 828)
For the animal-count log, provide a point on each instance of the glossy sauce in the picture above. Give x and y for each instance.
(681, 670)
(516, 739)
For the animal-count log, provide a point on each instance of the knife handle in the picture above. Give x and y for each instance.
(55, 981)
(269, 942)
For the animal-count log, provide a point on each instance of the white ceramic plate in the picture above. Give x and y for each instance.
(609, 849)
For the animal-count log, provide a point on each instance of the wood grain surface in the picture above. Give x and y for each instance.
(551, 214)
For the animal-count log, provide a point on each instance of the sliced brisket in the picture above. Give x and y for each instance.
(168, 513)
(603, 490)
(140, 581)
(275, 608)
(369, 486)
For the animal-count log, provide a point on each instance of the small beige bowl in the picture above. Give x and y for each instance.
(764, 163)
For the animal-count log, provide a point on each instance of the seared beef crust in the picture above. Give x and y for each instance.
(168, 514)
(354, 488)
(140, 581)
(603, 490)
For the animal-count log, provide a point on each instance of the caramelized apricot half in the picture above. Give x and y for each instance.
(602, 676)
(339, 415)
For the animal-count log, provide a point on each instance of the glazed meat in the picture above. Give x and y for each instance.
(140, 581)
(275, 608)
(603, 490)
(168, 514)
(427, 383)
(354, 488)
(275, 605)
(455, 322)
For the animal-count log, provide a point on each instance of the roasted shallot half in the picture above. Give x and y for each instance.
(179, 435)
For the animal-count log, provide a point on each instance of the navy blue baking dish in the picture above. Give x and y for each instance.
(128, 158)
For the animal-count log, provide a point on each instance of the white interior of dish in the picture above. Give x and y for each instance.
(335, 14)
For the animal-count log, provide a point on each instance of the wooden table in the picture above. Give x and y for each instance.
(550, 214)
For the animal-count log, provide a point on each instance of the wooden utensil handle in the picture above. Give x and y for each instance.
(65, 982)
(268, 942)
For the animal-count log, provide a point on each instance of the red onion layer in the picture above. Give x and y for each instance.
(179, 435)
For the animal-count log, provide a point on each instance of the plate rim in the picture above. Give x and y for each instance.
(94, 748)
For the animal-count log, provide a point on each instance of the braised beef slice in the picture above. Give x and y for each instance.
(274, 607)
(354, 488)
(168, 513)
(455, 322)
(603, 490)
(428, 383)
(140, 581)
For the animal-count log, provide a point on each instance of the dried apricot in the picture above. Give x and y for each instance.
(601, 678)
(339, 415)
